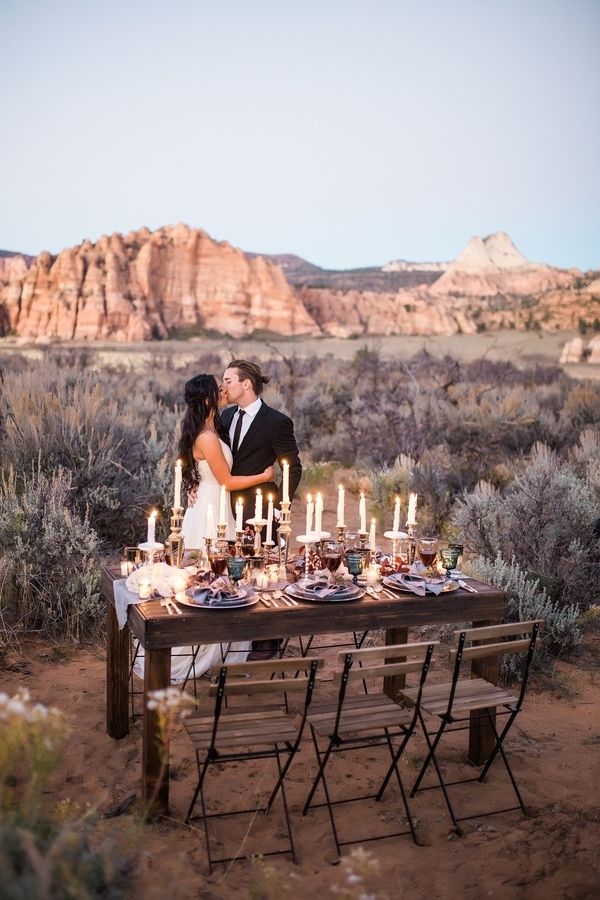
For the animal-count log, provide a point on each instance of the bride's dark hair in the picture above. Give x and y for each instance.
(202, 398)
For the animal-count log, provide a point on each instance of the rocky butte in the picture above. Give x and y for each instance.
(146, 285)
(178, 281)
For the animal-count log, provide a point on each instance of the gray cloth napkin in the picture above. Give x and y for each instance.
(322, 589)
(212, 596)
(123, 597)
(417, 584)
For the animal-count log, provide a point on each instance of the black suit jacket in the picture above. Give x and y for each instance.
(270, 437)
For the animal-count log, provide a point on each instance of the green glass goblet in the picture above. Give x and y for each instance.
(354, 564)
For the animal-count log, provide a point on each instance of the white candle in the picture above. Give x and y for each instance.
(309, 514)
(152, 527)
(319, 516)
(258, 505)
(340, 507)
(396, 525)
(362, 511)
(144, 590)
(222, 498)
(211, 531)
(285, 488)
(270, 519)
(373, 572)
(239, 514)
(177, 499)
(372, 534)
(411, 517)
(125, 569)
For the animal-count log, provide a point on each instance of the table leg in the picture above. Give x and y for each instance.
(395, 683)
(117, 676)
(155, 746)
(481, 734)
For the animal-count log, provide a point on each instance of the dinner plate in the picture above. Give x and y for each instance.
(241, 599)
(352, 592)
(395, 586)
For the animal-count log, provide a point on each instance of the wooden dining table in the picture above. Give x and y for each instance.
(158, 632)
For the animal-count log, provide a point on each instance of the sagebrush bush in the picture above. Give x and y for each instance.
(544, 521)
(527, 600)
(49, 561)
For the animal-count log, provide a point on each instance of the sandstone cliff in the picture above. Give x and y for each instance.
(147, 285)
(179, 281)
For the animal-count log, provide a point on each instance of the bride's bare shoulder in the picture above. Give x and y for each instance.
(206, 441)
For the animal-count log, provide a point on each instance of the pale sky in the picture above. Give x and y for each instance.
(350, 132)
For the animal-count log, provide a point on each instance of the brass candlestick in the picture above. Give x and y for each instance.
(238, 543)
(341, 535)
(412, 544)
(285, 530)
(222, 544)
(258, 525)
(175, 539)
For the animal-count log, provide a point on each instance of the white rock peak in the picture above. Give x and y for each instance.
(496, 251)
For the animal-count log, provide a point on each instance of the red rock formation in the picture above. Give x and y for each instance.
(144, 285)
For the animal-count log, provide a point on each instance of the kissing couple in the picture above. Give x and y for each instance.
(237, 449)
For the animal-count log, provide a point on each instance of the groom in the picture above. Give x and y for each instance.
(258, 435)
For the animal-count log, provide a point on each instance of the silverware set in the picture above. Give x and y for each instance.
(171, 607)
(273, 600)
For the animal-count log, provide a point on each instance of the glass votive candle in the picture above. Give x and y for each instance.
(179, 584)
(372, 573)
(124, 569)
(144, 590)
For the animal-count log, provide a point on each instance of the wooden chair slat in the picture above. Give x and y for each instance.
(383, 671)
(491, 631)
(271, 686)
(483, 650)
(289, 664)
(417, 651)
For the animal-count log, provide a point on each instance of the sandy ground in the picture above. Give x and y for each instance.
(554, 747)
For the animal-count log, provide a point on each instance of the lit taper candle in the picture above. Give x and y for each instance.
(411, 517)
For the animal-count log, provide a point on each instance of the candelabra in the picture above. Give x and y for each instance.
(175, 539)
(308, 540)
(285, 530)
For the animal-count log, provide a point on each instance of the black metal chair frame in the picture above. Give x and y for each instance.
(338, 744)
(279, 751)
(450, 723)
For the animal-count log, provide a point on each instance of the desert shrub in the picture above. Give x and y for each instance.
(47, 854)
(545, 521)
(49, 575)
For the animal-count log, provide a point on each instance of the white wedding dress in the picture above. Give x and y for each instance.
(194, 528)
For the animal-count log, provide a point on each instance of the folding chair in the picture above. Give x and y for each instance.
(355, 722)
(237, 734)
(471, 700)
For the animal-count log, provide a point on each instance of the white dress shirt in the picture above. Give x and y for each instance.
(250, 411)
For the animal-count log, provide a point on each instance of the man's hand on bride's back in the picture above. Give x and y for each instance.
(269, 473)
(192, 497)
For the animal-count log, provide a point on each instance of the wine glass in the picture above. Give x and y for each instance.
(248, 543)
(428, 551)
(332, 555)
(218, 563)
(449, 557)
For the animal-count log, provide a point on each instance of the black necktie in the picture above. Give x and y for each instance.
(238, 431)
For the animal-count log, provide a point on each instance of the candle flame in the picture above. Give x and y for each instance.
(259, 491)
(270, 498)
(309, 498)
